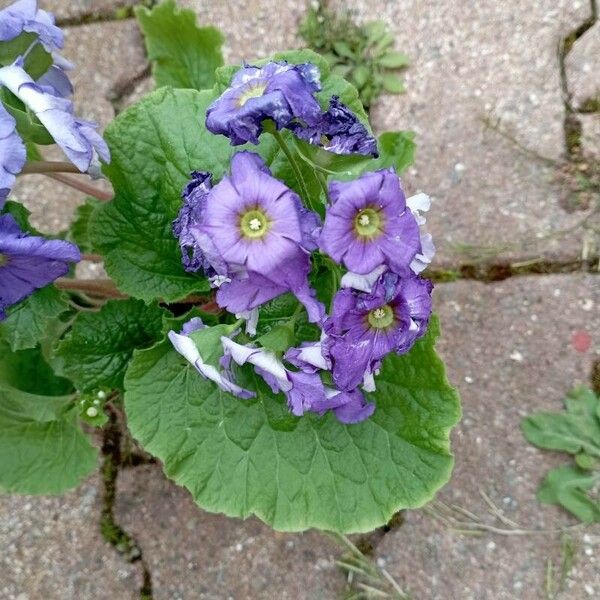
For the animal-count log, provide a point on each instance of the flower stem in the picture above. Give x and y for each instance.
(104, 288)
(48, 166)
(290, 156)
(82, 186)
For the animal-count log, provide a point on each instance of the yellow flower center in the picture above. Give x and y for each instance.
(252, 91)
(254, 224)
(382, 317)
(368, 223)
(3, 260)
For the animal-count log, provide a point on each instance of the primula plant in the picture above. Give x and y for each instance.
(267, 329)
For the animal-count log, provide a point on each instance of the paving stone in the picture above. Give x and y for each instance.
(583, 67)
(508, 348)
(254, 28)
(104, 54)
(52, 549)
(590, 138)
(195, 555)
(469, 61)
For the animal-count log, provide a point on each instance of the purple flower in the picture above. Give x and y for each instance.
(368, 224)
(338, 130)
(12, 153)
(24, 16)
(277, 91)
(365, 327)
(78, 138)
(186, 346)
(251, 230)
(28, 262)
(304, 390)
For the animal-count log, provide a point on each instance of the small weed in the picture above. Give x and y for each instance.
(575, 487)
(363, 54)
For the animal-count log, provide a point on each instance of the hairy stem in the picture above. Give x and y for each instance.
(48, 166)
(104, 288)
(81, 186)
(292, 160)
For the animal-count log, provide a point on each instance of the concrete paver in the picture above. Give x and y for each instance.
(52, 549)
(471, 61)
(583, 67)
(508, 348)
(194, 555)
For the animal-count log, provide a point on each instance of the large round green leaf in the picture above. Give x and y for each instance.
(252, 457)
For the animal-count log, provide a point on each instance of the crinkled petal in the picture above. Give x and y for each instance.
(78, 138)
(279, 92)
(307, 390)
(188, 349)
(338, 130)
(263, 359)
(308, 357)
(363, 283)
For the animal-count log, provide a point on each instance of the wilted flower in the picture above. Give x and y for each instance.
(78, 138)
(338, 130)
(368, 224)
(364, 327)
(29, 262)
(186, 346)
(417, 204)
(304, 390)
(24, 16)
(12, 153)
(277, 91)
(197, 249)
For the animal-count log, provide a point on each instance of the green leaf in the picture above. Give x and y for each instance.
(27, 371)
(37, 60)
(155, 145)
(393, 84)
(360, 76)
(41, 452)
(587, 462)
(396, 149)
(79, 230)
(28, 125)
(252, 457)
(575, 431)
(19, 213)
(567, 487)
(393, 60)
(343, 49)
(27, 322)
(100, 344)
(183, 55)
(208, 341)
(279, 338)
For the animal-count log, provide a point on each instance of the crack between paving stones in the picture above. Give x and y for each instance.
(121, 90)
(489, 272)
(571, 123)
(112, 532)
